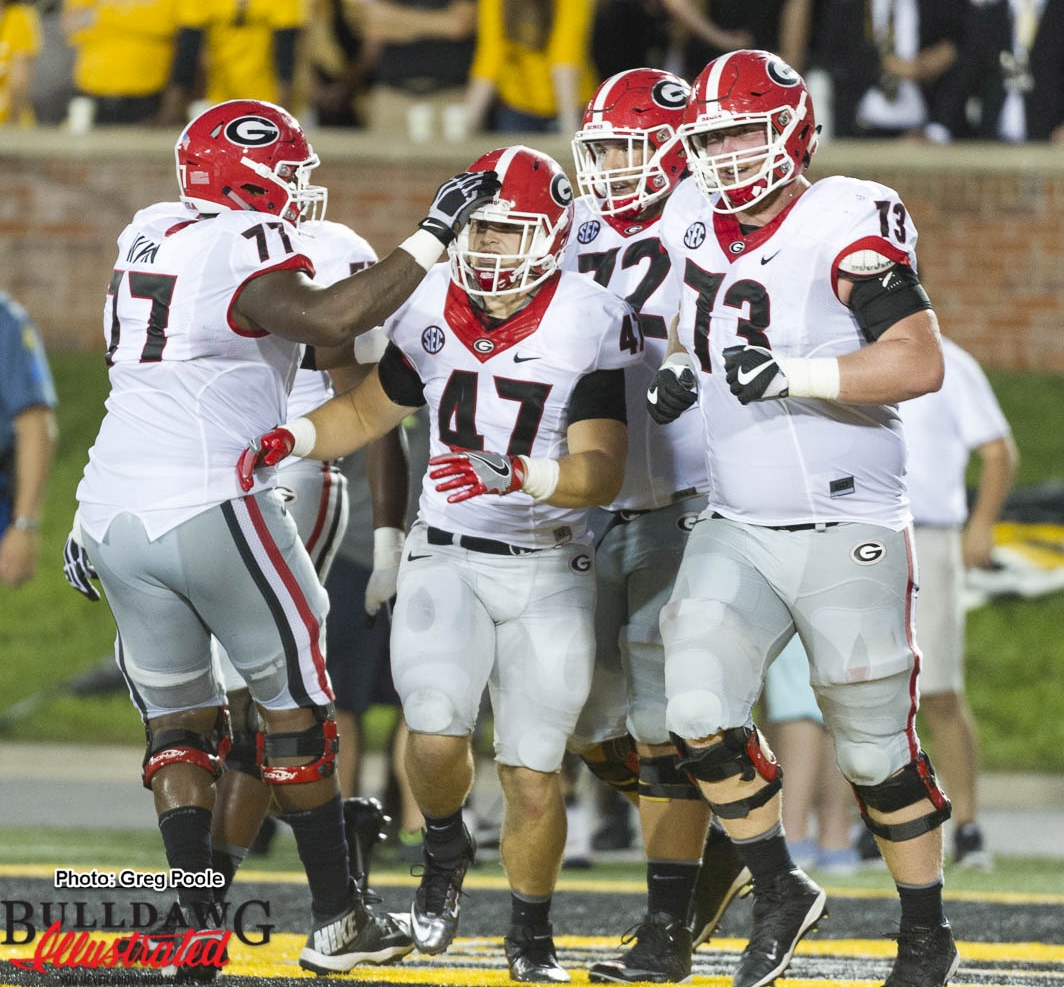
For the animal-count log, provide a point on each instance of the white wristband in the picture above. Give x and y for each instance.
(387, 547)
(304, 435)
(541, 477)
(423, 247)
(816, 377)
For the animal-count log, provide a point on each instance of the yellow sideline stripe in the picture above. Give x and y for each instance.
(279, 958)
(498, 882)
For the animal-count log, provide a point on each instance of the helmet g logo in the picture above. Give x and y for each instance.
(669, 94)
(561, 190)
(781, 73)
(251, 131)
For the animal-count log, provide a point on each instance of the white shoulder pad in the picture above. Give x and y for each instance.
(865, 263)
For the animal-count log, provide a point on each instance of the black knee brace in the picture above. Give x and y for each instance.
(319, 741)
(618, 766)
(244, 751)
(660, 778)
(914, 783)
(739, 752)
(180, 746)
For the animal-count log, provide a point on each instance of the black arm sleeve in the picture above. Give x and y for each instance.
(186, 57)
(284, 53)
(599, 394)
(400, 380)
(878, 303)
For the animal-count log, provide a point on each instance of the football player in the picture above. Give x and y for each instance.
(208, 308)
(802, 323)
(628, 161)
(522, 368)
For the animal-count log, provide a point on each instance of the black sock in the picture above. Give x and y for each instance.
(670, 884)
(226, 860)
(186, 833)
(445, 836)
(529, 912)
(319, 834)
(767, 855)
(921, 905)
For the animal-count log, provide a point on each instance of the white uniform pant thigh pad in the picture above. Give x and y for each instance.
(722, 625)
(522, 625)
(237, 570)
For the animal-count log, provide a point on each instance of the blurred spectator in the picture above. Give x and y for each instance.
(713, 27)
(20, 44)
(890, 62)
(419, 53)
(245, 50)
(819, 810)
(532, 69)
(27, 440)
(628, 34)
(1010, 72)
(334, 53)
(122, 56)
(941, 431)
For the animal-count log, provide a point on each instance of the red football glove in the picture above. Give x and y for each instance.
(266, 450)
(476, 473)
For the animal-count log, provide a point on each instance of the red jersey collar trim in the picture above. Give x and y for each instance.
(484, 343)
(728, 232)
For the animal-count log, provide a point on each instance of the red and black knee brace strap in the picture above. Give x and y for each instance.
(619, 765)
(320, 741)
(180, 746)
(914, 783)
(739, 752)
(661, 779)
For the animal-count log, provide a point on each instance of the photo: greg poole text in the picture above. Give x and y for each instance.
(157, 880)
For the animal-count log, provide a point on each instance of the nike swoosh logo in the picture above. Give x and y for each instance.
(765, 260)
(523, 359)
(652, 395)
(411, 557)
(746, 376)
(491, 466)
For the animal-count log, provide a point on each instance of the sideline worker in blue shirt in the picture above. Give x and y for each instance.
(27, 440)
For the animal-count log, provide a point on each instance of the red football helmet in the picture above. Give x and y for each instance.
(747, 89)
(248, 154)
(536, 198)
(645, 108)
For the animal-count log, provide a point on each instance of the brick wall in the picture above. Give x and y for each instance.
(991, 222)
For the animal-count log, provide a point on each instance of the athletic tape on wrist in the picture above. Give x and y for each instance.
(387, 547)
(423, 247)
(541, 477)
(811, 377)
(304, 435)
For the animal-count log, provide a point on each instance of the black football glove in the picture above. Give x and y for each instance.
(674, 390)
(455, 199)
(78, 570)
(753, 374)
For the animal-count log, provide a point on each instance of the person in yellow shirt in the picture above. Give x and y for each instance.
(20, 44)
(123, 50)
(532, 68)
(245, 49)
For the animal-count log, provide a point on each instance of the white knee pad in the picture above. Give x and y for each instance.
(694, 714)
(431, 711)
(865, 764)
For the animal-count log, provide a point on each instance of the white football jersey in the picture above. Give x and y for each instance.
(187, 387)
(631, 262)
(794, 460)
(337, 252)
(507, 390)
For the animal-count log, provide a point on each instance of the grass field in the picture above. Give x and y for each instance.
(48, 633)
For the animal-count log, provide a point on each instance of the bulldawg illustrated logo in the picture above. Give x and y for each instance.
(204, 946)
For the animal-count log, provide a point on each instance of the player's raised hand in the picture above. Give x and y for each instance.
(78, 570)
(267, 450)
(753, 374)
(673, 391)
(471, 474)
(455, 199)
